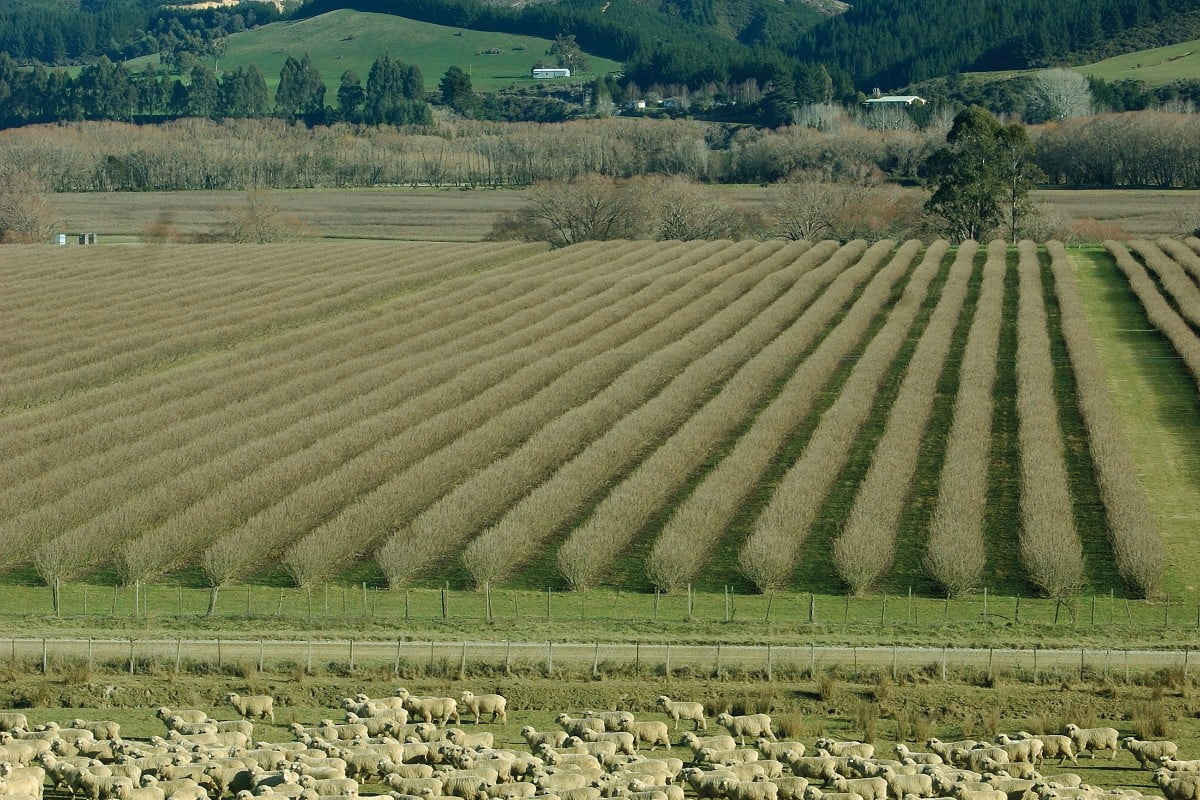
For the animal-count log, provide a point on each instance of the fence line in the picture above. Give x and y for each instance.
(380, 605)
(661, 658)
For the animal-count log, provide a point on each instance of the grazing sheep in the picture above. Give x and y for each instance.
(148, 790)
(791, 787)
(814, 793)
(1150, 753)
(22, 780)
(1027, 750)
(944, 749)
(867, 788)
(775, 749)
(902, 752)
(13, 720)
(1180, 766)
(185, 789)
(822, 768)
(1054, 745)
(256, 706)
(417, 786)
(177, 724)
(579, 726)
(185, 714)
(678, 710)
(331, 787)
(753, 725)
(625, 743)
(555, 781)
(974, 758)
(650, 732)
(708, 755)
(470, 740)
(836, 748)
(708, 784)
(899, 785)
(605, 751)
(1093, 739)
(242, 726)
(753, 790)
(429, 709)
(612, 719)
(478, 704)
(1178, 787)
(103, 729)
(512, 791)
(536, 738)
(102, 787)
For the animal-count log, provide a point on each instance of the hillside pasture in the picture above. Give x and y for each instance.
(1157, 66)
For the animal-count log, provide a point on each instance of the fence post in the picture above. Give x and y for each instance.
(549, 658)
(990, 675)
(1035, 669)
(178, 653)
(431, 656)
(462, 661)
(655, 605)
(893, 662)
(812, 607)
(137, 597)
(248, 600)
(690, 599)
(85, 600)
(487, 601)
(943, 663)
(1127, 666)
(260, 654)
(854, 650)
(352, 655)
(46, 657)
(769, 673)
(718, 659)
(883, 611)
(131, 655)
(396, 669)
(366, 607)
(1017, 610)
(985, 593)
(406, 605)
(668, 660)
(1081, 652)
(548, 604)
(596, 662)
(812, 660)
(179, 603)
(445, 610)
(57, 597)
(1185, 664)
(728, 610)
(637, 657)
(219, 653)
(90, 662)
(911, 617)
(508, 658)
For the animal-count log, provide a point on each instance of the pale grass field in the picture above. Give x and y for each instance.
(463, 215)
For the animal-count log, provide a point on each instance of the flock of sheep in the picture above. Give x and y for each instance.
(413, 745)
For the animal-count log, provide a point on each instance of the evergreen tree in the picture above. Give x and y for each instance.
(457, 91)
(982, 176)
(350, 97)
(301, 91)
(203, 92)
(243, 93)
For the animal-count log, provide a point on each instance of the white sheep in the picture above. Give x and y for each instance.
(331, 787)
(867, 788)
(535, 738)
(791, 787)
(852, 748)
(678, 710)
(13, 720)
(708, 784)
(578, 726)
(1181, 766)
(432, 709)
(945, 749)
(776, 749)
(257, 706)
(822, 768)
(899, 785)
(185, 714)
(102, 729)
(708, 755)
(1150, 753)
(22, 780)
(612, 719)
(1178, 787)
(752, 725)
(624, 741)
(902, 752)
(1054, 745)
(650, 732)
(494, 704)
(1093, 739)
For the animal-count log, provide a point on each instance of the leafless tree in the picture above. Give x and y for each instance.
(26, 213)
(1059, 94)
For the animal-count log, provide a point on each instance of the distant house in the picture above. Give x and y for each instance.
(894, 100)
(551, 72)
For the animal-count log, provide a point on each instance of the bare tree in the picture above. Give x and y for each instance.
(590, 207)
(1059, 94)
(686, 211)
(26, 214)
(258, 220)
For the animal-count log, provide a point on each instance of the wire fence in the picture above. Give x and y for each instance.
(461, 657)
(330, 602)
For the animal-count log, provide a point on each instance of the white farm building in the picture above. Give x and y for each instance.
(551, 72)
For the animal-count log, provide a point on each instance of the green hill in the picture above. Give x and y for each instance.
(1157, 66)
(342, 40)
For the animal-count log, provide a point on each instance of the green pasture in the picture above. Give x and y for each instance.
(352, 40)
(1157, 66)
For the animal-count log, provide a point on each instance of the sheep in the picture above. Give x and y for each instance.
(1179, 787)
(605, 751)
(964, 793)
(578, 726)
(822, 768)
(470, 740)
(228, 780)
(1054, 745)
(13, 720)
(902, 752)
(1013, 769)
(650, 732)
(331, 787)
(555, 782)
(185, 789)
(512, 791)
(708, 755)
(671, 791)
(534, 738)
(177, 724)
(791, 787)
(103, 729)
(868, 788)
(814, 793)
(1180, 766)
(836, 748)
(1028, 750)
(678, 710)
(242, 726)
(418, 786)
(775, 749)
(611, 719)
(624, 741)
(944, 749)
(102, 786)
(478, 704)
(257, 706)
(148, 790)
(1093, 739)
(973, 759)
(697, 743)
(429, 709)
(185, 714)
(22, 780)
(754, 725)
(708, 784)
(899, 785)
(1150, 753)
(582, 793)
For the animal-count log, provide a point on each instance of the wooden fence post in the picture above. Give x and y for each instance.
(550, 658)
(46, 657)
(260, 654)
(770, 676)
(396, 668)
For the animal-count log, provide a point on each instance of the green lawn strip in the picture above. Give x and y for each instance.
(816, 570)
(913, 534)
(1099, 564)
(1158, 403)
(1156, 66)
(1003, 571)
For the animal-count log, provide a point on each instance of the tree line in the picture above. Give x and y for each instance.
(393, 94)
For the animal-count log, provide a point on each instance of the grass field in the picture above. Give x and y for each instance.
(462, 215)
(351, 40)
(1157, 66)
